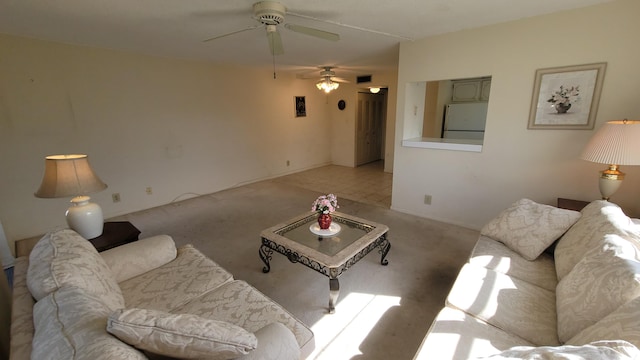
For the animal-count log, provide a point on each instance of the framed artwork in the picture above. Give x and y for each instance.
(300, 106)
(566, 97)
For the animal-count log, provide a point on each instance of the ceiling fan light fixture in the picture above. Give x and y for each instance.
(327, 85)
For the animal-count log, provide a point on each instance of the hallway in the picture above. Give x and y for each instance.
(367, 184)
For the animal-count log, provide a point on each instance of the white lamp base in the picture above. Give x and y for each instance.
(608, 187)
(85, 218)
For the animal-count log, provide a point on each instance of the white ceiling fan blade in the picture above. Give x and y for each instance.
(232, 33)
(349, 26)
(313, 32)
(339, 79)
(325, 73)
(275, 41)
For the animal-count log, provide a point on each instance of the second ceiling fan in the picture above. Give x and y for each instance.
(270, 15)
(329, 81)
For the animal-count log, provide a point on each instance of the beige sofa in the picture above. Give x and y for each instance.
(516, 299)
(145, 299)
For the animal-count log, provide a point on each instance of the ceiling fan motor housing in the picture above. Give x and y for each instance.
(327, 72)
(269, 12)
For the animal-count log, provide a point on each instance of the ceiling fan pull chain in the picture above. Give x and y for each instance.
(274, 66)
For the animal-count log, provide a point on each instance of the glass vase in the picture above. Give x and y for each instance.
(324, 220)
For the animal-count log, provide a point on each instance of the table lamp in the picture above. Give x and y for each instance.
(71, 175)
(615, 143)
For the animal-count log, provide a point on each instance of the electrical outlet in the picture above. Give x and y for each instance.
(115, 197)
(427, 199)
(288, 163)
(149, 190)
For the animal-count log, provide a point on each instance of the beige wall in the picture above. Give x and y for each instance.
(471, 188)
(343, 133)
(431, 125)
(181, 127)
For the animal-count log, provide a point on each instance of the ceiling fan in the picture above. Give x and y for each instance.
(270, 15)
(325, 71)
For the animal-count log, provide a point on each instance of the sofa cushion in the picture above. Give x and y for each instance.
(65, 258)
(601, 350)
(455, 334)
(623, 323)
(599, 218)
(496, 256)
(601, 282)
(505, 302)
(180, 335)
(528, 228)
(175, 283)
(241, 304)
(71, 324)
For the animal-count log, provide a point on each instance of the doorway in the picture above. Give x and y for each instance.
(370, 127)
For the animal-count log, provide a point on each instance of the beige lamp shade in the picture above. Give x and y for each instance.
(71, 175)
(68, 175)
(616, 143)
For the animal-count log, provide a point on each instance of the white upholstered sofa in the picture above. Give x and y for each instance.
(517, 299)
(145, 299)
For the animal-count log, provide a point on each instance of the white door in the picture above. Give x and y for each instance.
(369, 127)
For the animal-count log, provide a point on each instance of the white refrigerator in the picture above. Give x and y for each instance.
(465, 121)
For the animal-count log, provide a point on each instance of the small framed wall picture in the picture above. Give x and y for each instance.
(566, 97)
(300, 106)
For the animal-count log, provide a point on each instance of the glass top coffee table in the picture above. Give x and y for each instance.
(330, 255)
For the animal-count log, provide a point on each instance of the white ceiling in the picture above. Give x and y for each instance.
(177, 28)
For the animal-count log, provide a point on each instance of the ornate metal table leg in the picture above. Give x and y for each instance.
(265, 254)
(334, 291)
(385, 246)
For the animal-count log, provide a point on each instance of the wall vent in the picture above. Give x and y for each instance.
(363, 79)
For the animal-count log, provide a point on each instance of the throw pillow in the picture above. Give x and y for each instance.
(599, 218)
(528, 228)
(605, 279)
(183, 336)
(605, 350)
(64, 257)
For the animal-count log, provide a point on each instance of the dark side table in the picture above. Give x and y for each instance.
(115, 233)
(571, 204)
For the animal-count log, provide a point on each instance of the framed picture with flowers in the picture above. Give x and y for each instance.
(566, 97)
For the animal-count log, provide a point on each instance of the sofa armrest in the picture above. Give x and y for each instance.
(275, 341)
(22, 328)
(138, 257)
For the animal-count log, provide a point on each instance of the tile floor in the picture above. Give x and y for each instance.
(368, 183)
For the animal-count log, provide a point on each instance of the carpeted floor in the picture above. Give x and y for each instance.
(383, 311)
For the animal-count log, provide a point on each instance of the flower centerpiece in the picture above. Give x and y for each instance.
(561, 99)
(324, 205)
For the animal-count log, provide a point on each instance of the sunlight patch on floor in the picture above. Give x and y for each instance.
(339, 335)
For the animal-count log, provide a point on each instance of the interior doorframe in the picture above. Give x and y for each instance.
(385, 94)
